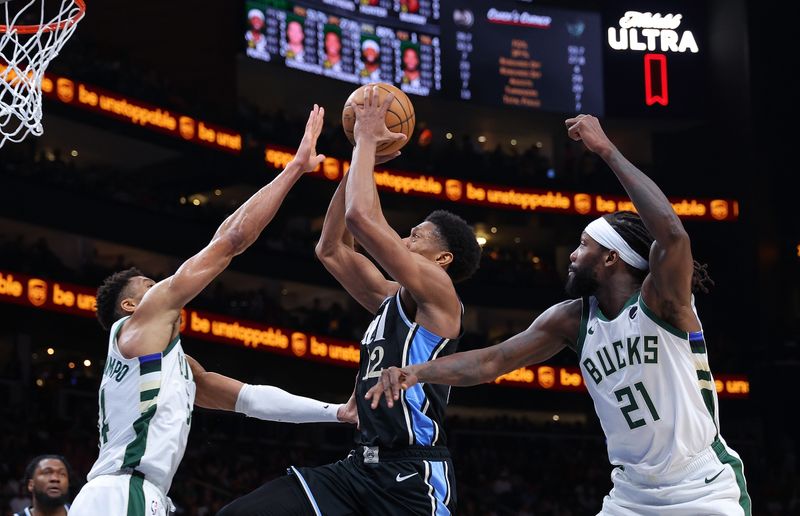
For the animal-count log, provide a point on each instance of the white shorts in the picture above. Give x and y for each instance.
(713, 484)
(120, 495)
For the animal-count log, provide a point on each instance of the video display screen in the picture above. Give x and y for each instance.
(495, 53)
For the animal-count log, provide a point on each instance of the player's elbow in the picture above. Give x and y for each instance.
(233, 242)
(325, 251)
(674, 235)
(357, 220)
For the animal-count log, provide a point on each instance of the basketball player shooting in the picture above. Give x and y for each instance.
(642, 352)
(402, 465)
(147, 390)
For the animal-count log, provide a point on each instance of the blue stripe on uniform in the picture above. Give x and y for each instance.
(440, 487)
(307, 490)
(149, 358)
(419, 350)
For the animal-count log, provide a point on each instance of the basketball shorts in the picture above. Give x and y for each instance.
(122, 494)
(713, 484)
(412, 482)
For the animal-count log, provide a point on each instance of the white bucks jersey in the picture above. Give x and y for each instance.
(651, 386)
(145, 412)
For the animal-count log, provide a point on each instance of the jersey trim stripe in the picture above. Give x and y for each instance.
(631, 300)
(403, 402)
(585, 305)
(307, 490)
(437, 480)
(430, 486)
(438, 349)
(136, 505)
(403, 312)
(421, 349)
(447, 480)
(738, 470)
(705, 381)
(656, 319)
(172, 344)
(697, 342)
(149, 372)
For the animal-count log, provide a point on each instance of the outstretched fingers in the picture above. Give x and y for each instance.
(319, 119)
(389, 385)
(375, 394)
(387, 390)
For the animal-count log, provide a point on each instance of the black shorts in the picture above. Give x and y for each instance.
(416, 481)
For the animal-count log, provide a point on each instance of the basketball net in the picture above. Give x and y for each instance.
(30, 38)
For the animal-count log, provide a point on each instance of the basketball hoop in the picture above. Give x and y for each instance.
(31, 35)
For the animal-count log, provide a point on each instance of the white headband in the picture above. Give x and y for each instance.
(607, 236)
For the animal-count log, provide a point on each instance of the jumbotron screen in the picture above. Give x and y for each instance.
(491, 52)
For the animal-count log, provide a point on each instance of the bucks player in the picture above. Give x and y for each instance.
(641, 350)
(147, 391)
(402, 465)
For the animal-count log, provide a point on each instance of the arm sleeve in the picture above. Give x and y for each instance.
(272, 404)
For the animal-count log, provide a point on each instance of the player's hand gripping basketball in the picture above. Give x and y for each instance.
(371, 119)
(587, 128)
(307, 157)
(392, 380)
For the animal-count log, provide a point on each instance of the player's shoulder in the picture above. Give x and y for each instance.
(567, 310)
(564, 319)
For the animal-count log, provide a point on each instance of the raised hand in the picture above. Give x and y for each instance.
(587, 128)
(392, 380)
(307, 157)
(379, 160)
(371, 118)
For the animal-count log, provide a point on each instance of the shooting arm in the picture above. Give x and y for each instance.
(365, 220)
(354, 271)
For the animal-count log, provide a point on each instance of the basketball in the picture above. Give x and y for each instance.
(399, 119)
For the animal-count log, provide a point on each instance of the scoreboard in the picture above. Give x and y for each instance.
(492, 52)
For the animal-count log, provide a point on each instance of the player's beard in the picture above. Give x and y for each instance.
(582, 282)
(50, 502)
